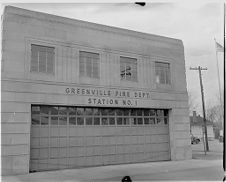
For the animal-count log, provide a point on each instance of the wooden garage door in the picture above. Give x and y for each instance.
(72, 137)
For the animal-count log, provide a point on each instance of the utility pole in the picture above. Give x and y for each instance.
(203, 105)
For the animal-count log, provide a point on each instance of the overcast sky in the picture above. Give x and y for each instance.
(195, 23)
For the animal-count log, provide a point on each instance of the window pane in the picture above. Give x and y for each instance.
(42, 61)
(119, 121)
(128, 68)
(146, 120)
(104, 121)
(152, 112)
(54, 120)
(96, 112)
(119, 112)
(111, 121)
(80, 111)
(63, 110)
(72, 110)
(89, 64)
(111, 112)
(44, 110)
(53, 110)
(160, 113)
(152, 120)
(89, 67)
(88, 111)
(34, 60)
(162, 73)
(72, 120)
(44, 120)
(140, 121)
(139, 112)
(133, 121)
(80, 121)
(126, 121)
(89, 121)
(35, 110)
(133, 112)
(126, 112)
(160, 120)
(165, 120)
(95, 68)
(165, 112)
(82, 66)
(35, 120)
(146, 112)
(50, 62)
(104, 112)
(96, 121)
(62, 120)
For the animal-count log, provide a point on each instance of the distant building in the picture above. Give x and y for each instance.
(79, 94)
(197, 124)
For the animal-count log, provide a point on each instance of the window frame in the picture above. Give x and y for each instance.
(46, 60)
(86, 74)
(165, 70)
(133, 63)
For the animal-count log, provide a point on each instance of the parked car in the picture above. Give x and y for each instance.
(194, 140)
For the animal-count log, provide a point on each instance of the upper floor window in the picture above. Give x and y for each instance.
(162, 73)
(128, 68)
(42, 59)
(89, 64)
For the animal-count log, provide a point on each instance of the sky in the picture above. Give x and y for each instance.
(196, 23)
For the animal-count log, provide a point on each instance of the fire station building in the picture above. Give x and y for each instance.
(78, 94)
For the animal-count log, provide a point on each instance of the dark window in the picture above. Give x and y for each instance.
(89, 64)
(128, 69)
(42, 59)
(62, 115)
(162, 73)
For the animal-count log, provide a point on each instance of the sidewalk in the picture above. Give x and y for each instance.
(201, 168)
(108, 172)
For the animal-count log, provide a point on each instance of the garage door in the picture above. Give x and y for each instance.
(73, 137)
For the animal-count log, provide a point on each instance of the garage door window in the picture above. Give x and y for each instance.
(79, 116)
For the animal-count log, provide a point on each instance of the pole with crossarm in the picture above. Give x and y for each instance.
(203, 105)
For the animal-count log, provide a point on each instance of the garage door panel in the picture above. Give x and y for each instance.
(63, 163)
(158, 139)
(43, 164)
(35, 153)
(76, 141)
(76, 151)
(76, 131)
(54, 152)
(44, 153)
(54, 132)
(34, 165)
(63, 142)
(44, 142)
(62, 131)
(60, 143)
(44, 131)
(34, 142)
(53, 164)
(54, 142)
(35, 131)
(62, 152)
